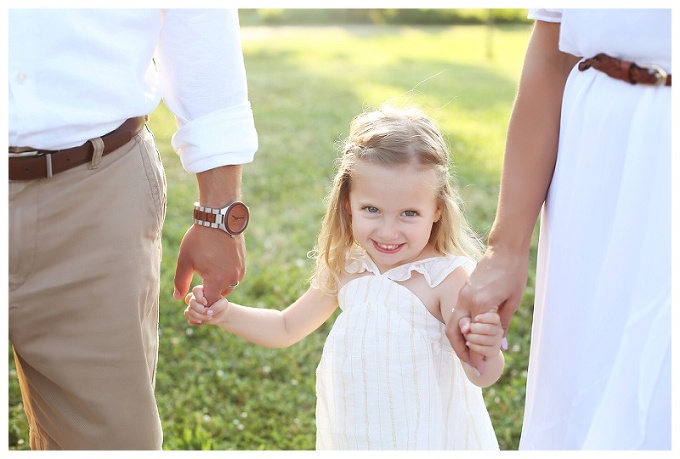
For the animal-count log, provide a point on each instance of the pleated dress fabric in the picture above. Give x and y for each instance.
(388, 377)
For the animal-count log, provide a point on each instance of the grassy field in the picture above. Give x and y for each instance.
(216, 391)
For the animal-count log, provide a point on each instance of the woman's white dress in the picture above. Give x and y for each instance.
(388, 377)
(599, 371)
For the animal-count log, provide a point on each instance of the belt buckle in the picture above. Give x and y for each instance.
(658, 73)
(18, 153)
(22, 153)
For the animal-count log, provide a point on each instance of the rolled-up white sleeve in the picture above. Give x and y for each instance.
(546, 15)
(203, 82)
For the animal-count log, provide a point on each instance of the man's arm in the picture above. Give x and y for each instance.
(203, 80)
(213, 254)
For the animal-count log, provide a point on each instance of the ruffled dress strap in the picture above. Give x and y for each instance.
(434, 269)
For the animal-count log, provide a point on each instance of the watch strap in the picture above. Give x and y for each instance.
(207, 216)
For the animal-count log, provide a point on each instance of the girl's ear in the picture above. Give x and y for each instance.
(348, 208)
(437, 213)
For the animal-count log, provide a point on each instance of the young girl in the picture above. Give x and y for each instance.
(393, 252)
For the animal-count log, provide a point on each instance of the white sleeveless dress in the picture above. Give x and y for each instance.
(388, 377)
(599, 369)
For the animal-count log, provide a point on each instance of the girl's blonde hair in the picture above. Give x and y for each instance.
(390, 136)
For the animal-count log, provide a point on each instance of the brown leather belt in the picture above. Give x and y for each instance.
(26, 163)
(627, 71)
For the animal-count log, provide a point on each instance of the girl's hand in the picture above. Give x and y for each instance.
(484, 334)
(197, 311)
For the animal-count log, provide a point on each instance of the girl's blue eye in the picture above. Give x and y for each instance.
(371, 209)
(410, 213)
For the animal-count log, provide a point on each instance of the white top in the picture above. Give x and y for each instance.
(388, 377)
(78, 74)
(599, 366)
(585, 33)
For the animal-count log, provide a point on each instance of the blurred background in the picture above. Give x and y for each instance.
(310, 71)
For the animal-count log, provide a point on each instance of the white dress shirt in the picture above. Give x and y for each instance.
(78, 74)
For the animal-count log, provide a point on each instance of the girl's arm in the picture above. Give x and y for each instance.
(483, 335)
(265, 327)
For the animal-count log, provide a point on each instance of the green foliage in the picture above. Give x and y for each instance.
(422, 16)
(216, 391)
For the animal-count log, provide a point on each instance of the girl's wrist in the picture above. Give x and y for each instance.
(497, 360)
(222, 317)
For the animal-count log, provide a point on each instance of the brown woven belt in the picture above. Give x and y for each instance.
(26, 163)
(627, 71)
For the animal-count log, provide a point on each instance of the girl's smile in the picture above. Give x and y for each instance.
(387, 248)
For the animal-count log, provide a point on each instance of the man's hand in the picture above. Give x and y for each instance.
(218, 258)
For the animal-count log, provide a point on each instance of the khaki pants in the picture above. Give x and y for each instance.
(84, 269)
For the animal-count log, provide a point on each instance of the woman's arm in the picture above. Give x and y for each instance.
(530, 155)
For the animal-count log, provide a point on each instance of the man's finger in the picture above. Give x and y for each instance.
(212, 290)
(183, 276)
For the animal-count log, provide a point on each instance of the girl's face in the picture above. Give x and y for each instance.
(393, 209)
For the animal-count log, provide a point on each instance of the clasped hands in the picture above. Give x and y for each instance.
(495, 286)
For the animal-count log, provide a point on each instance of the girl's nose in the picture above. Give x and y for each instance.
(388, 230)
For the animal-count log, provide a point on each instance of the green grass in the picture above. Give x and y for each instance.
(216, 391)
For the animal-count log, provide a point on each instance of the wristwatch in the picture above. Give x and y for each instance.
(232, 219)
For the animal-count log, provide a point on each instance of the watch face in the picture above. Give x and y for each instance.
(237, 217)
